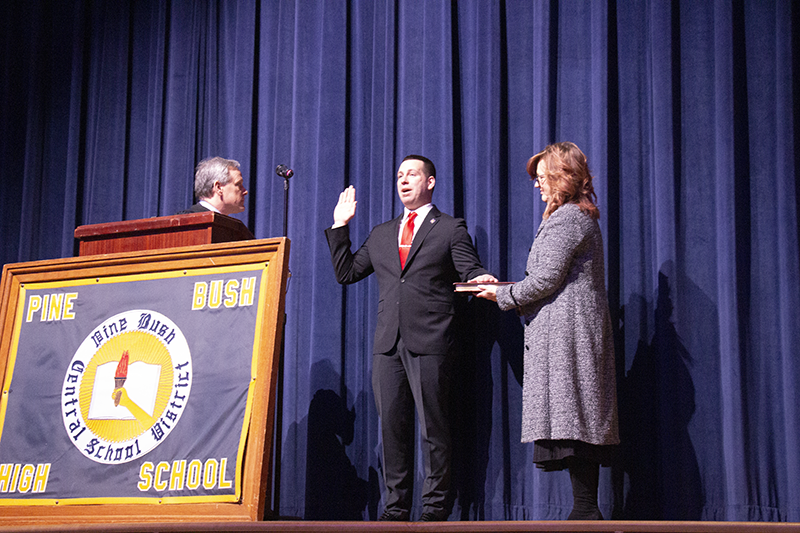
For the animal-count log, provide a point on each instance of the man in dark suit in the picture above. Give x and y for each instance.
(416, 264)
(218, 186)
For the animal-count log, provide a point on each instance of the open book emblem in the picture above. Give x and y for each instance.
(123, 396)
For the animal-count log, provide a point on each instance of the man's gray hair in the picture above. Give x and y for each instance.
(209, 171)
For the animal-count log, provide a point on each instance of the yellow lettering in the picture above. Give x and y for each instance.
(25, 478)
(215, 295)
(181, 473)
(219, 292)
(176, 477)
(42, 475)
(45, 301)
(231, 296)
(56, 301)
(159, 484)
(145, 476)
(224, 483)
(68, 302)
(210, 474)
(15, 478)
(34, 304)
(199, 298)
(193, 479)
(248, 291)
(52, 306)
(5, 476)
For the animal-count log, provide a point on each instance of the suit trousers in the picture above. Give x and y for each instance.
(401, 382)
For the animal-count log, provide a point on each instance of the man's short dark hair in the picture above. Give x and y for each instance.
(427, 164)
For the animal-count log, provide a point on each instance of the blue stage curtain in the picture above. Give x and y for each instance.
(688, 112)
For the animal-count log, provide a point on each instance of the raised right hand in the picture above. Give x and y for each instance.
(346, 207)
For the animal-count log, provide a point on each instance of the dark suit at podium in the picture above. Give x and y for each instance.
(196, 208)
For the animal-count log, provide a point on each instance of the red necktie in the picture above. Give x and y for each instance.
(405, 240)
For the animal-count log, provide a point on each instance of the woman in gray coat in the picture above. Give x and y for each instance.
(569, 403)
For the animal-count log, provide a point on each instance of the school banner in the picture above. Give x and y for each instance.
(131, 388)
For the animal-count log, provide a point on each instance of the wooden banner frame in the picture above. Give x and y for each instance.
(256, 470)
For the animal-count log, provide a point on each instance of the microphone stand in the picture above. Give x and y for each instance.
(285, 173)
(285, 205)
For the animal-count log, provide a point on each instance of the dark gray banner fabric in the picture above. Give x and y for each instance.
(130, 387)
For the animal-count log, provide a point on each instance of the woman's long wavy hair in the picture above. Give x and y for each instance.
(568, 176)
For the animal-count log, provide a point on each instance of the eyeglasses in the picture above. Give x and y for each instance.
(538, 179)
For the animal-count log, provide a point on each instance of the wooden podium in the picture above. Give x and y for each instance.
(160, 232)
(170, 258)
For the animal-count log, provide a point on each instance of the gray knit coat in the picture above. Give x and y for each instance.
(569, 385)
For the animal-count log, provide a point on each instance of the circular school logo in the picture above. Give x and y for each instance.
(126, 387)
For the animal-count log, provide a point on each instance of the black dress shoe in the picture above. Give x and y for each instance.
(433, 517)
(397, 516)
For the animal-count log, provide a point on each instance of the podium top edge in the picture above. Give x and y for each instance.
(158, 223)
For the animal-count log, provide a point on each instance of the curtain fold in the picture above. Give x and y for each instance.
(686, 110)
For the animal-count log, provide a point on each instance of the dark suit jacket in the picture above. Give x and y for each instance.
(196, 208)
(420, 300)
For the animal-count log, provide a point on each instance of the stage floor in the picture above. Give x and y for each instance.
(407, 527)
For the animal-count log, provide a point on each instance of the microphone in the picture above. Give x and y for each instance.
(284, 171)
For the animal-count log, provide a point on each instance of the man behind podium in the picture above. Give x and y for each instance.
(218, 187)
(413, 354)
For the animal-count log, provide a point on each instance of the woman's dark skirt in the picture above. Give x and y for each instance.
(551, 455)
